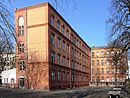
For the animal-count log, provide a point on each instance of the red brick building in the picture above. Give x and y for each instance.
(50, 54)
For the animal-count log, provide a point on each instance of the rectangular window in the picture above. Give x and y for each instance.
(58, 42)
(21, 65)
(67, 33)
(21, 30)
(102, 70)
(97, 53)
(107, 71)
(52, 20)
(63, 60)
(97, 62)
(93, 63)
(58, 25)
(58, 58)
(102, 62)
(52, 57)
(67, 48)
(63, 76)
(67, 61)
(102, 53)
(107, 62)
(53, 74)
(59, 75)
(63, 45)
(92, 54)
(52, 39)
(21, 47)
(63, 29)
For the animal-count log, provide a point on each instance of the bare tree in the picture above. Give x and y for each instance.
(34, 71)
(119, 23)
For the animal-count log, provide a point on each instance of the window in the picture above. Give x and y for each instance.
(92, 71)
(63, 60)
(102, 79)
(63, 45)
(67, 48)
(98, 70)
(92, 54)
(52, 38)
(67, 61)
(58, 42)
(67, 33)
(67, 76)
(97, 62)
(58, 25)
(107, 53)
(102, 70)
(107, 71)
(21, 65)
(58, 58)
(59, 75)
(102, 62)
(97, 53)
(52, 57)
(93, 62)
(107, 62)
(53, 74)
(21, 26)
(63, 29)
(98, 79)
(63, 76)
(113, 79)
(107, 79)
(102, 53)
(5, 80)
(52, 20)
(21, 47)
(72, 76)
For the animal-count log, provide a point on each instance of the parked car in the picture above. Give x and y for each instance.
(116, 92)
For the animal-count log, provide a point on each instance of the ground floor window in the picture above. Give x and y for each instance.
(21, 82)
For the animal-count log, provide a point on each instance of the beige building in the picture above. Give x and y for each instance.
(50, 54)
(104, 69)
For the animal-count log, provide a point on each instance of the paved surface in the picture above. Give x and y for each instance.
(88, 92)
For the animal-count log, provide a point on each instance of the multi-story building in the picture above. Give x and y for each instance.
(7, 63)
(57, 54)
(107, 67)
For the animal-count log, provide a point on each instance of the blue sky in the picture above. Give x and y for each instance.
(88, 20)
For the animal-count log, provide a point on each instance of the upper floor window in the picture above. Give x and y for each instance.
(107, 53)
(21, 26)
(97, 53)
(52, 57)
(67, 33)
(58, 42)
(52, 39)
(67, 61)
(52, 20)
(58, 25)
(21, 47)
(102, 53)
(102, 62)
(63, 45)
(21, 65)
(67, 48)
(92, 54)
(63, 60)
(58, 58)
(63, 29)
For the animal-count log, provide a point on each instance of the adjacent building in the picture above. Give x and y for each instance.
(50, 54)
(107, 67)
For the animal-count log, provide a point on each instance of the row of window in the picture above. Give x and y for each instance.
(61, 44)
(107, 71)
(62, 60)
(103, 54)
(108, 79)
(107, 62)
(65, 76)
(66, 33)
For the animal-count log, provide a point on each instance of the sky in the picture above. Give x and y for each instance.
(88, 18)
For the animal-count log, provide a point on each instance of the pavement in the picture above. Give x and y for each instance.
(86, 92)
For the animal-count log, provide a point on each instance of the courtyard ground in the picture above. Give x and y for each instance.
(87, 92)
